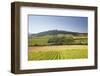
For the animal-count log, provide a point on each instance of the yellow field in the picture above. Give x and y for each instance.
(57, 52)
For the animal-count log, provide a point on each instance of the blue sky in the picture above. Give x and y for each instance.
(40, 23)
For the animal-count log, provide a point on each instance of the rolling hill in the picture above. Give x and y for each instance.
(57, 32)
(55, 37)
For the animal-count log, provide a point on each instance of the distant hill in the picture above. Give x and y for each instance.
(55, 37)
(56, 32)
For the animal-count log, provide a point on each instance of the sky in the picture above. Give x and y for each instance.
(40, 23)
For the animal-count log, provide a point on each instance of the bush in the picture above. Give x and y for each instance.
(60, 40)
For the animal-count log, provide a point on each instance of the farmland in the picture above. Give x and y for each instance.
(57, 44)
(57, 52)
(43, 40)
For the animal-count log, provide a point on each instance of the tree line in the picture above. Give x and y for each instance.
(56, 40)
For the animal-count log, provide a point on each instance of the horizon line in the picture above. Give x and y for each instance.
(56, 30)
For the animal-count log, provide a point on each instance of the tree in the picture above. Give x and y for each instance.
(60, 40)
(69, 40)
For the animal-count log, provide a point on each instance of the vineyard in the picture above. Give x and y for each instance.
(57, 52)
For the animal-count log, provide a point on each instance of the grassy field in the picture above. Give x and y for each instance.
(43, 40)
(57, 52)
(39, 40)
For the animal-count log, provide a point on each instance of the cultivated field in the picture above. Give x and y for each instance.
(57, 52)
